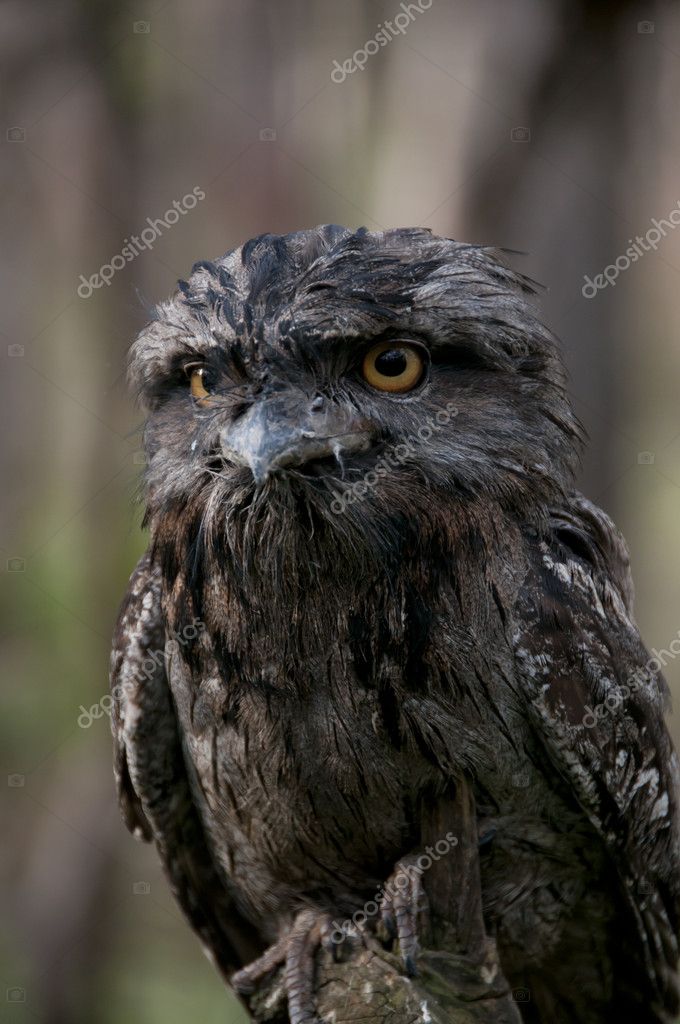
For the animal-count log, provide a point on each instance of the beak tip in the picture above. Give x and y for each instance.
(260, 470)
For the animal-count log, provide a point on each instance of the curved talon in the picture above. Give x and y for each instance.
(334, 947)
(402, 908)
(389, 920)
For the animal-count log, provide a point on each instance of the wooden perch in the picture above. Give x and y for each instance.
(459, 980)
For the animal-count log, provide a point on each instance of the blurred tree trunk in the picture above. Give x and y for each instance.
(571, 93)
(76, 172)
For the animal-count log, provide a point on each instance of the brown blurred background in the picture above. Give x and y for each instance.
(547, 127)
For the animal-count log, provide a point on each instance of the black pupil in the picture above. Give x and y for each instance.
(391, 362)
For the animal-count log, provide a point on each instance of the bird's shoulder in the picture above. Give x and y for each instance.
(595, 693)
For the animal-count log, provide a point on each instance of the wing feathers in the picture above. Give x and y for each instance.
(153, 786)
(597, 704)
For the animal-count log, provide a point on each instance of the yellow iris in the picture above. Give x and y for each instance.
(197, 386)
(394, 366)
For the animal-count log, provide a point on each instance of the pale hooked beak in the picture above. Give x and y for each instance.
(286, 430)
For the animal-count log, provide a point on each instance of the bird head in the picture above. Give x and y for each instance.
(353, 385)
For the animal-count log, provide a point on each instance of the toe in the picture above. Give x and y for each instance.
(303, 943)
(404, 908)
(247, 979)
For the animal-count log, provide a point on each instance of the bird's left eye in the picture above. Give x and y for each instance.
(197, 383)
(394, 366)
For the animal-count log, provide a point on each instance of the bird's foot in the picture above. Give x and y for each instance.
(404, 910)
(296, 950)
(403, 914)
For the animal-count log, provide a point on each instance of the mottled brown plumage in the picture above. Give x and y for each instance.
(335, 665)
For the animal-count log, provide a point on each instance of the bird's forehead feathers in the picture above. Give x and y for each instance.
(300, 289)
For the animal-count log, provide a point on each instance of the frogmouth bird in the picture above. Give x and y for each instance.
(369, 578)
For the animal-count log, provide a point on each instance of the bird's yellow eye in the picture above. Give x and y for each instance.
(197, 384)
(198, 389)
(394, 366)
